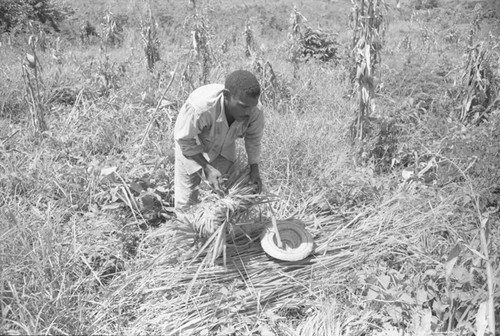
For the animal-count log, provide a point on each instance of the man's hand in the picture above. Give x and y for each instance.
(214, 177)
(212, 174)
(255, 178)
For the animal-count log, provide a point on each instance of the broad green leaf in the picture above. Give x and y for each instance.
(438, 306)
(371, 295)
(406, 298)
(384, 280)
(421, 296)
(395, 313)
(452, 259)
(136, 187)
(461, 274)
(454, 253)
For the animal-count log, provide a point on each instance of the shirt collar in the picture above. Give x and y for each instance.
(222, 114)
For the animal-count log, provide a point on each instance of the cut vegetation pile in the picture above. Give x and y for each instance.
(254, 293)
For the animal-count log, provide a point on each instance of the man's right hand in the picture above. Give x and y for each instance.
(212, 174)
(214, 177)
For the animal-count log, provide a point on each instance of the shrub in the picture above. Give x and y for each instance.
(15, 14)
(319, 45)
(425, 4)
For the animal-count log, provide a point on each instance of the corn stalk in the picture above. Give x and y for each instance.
(203, 52)
(39, 35)
(112, 31)
(479, 96)
(249, 40)
(33, 82)
(368, 34)
(295, 35)
(151, 41)
(268, 81)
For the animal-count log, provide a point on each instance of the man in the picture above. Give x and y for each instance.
(205, 132)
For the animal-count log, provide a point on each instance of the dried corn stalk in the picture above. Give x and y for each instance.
(249, 40)
(367, 42)
(112, 30)
(201, 46)
(268, 82)
(151, 41)
(33, 82)
(294, 37)
(480, 85)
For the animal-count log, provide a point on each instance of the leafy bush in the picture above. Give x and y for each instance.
(319, 45)
(425, 4)
(15, 14)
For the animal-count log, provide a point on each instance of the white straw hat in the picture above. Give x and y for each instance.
(297, 241)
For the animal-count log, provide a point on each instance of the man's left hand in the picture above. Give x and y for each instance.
(255, 178)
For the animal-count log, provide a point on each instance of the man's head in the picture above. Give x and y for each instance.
(241, 92)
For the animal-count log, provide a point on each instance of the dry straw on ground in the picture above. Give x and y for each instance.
(193, 298)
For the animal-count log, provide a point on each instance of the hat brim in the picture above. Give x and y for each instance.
(297, 242)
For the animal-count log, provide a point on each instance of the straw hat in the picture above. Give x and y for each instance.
(297, 241)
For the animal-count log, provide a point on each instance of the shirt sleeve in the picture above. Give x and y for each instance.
(189, 124)
(253, 138)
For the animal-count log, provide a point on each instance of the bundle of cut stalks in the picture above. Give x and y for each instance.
(216, 215)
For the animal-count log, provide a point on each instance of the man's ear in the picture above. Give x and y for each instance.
(226, 93)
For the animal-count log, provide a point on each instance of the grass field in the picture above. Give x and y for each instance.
(405, 221)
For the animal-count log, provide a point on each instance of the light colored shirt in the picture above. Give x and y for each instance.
(202, 127)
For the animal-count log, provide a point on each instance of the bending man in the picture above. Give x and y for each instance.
(207, 126)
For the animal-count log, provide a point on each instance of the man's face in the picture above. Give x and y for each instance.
(240, 106)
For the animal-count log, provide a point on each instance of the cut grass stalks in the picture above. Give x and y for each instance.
(217, 214)
(202, 298)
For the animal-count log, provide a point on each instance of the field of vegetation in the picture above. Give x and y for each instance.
(382, 136)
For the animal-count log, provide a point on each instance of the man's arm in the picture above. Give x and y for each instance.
(253, 139)
(212, 174)
(187, 127)
(255, 177)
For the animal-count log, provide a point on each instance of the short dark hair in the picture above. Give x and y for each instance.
(242, 81)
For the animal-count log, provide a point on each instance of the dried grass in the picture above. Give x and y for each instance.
(193, 298)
